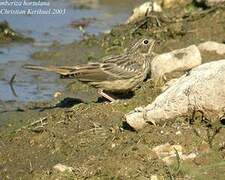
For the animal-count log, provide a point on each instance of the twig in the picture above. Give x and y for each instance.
(139, 26)
(59, 122)
(12, 79)
(211, 137)
(11, 85)
(31, 167)
(89, 130)
(41, 120)
(38, 129)
(156, 19)
(38, 121)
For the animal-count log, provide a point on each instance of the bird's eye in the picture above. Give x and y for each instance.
(146, 41)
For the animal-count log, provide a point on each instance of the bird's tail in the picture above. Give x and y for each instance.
(62, 70)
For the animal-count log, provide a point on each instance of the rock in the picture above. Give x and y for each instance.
(218, 48)
(178, 133)
(177, 60)
(168, 153)
(62, 168)
(189, 156)
(144, 10)
(57, 94)
(201, 90)
(167, 149)
(137, 122)
(210, 2)
(156, 177)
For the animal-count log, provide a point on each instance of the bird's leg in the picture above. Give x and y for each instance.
(103, 94)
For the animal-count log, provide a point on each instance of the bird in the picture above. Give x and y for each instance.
(113, 74)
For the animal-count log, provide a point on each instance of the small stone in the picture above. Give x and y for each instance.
(134, 122)
(63, 168)
(189, 156)
(113, 130)
(154, 177)
(113, 145)
(32, 142)
(6, 31)
(57, 94)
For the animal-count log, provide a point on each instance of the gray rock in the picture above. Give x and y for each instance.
(144, 10)
(177, 60)
(202, 89)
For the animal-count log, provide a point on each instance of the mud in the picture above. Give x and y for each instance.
(88, 134)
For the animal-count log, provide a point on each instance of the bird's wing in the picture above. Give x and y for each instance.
(122, 65)
(115, 67)
(111, 68)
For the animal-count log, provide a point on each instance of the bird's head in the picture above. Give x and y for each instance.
(143, 46)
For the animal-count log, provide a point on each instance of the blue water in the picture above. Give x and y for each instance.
(45, 29)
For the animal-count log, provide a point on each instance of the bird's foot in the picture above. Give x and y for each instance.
(103, 94)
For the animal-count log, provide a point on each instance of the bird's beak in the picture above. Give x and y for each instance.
(151, 46)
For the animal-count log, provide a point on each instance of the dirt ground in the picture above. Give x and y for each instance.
(89, 135)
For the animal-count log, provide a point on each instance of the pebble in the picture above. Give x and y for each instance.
(62, 168)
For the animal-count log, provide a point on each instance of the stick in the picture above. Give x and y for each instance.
(11, 85)
(12, 79)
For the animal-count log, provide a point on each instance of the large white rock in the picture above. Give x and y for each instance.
(143, 10)
(177, 60)
(202, 89)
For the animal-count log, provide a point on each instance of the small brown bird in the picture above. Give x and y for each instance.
(119, 73)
